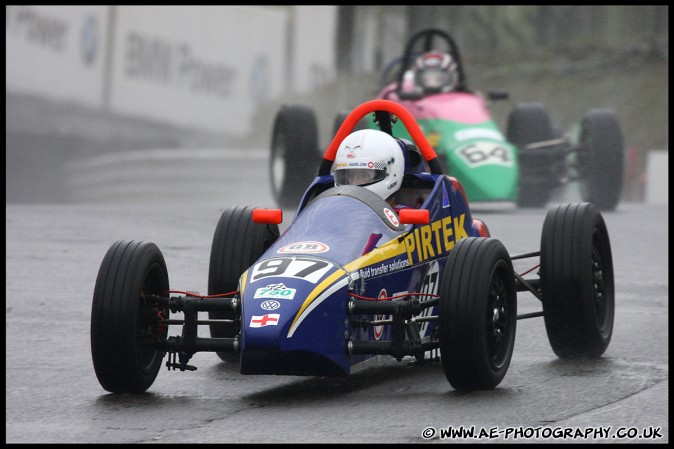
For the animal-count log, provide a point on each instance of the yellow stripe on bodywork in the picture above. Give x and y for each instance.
(242, 284)
(319, 288)
(388, 250)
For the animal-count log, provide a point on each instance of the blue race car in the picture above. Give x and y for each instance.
(316, 301)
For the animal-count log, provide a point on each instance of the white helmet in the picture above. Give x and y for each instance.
(435, 72)
(371, 159)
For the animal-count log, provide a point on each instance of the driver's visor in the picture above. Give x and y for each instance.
(435, 79)
(358, 176)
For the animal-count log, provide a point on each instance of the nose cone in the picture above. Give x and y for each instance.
(484, 177)
(294, 327)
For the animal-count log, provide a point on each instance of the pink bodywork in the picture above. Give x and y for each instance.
(462, 107)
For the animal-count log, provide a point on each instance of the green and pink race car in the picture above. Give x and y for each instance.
(525, 165)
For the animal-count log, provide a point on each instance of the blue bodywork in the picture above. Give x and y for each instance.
(344, 241)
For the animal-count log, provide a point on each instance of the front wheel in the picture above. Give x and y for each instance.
(478, 314)
(577, 281)
(237, 243)
(125, 327)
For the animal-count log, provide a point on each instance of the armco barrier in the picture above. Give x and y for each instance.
(166, 175)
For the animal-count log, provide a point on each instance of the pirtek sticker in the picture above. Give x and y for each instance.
(434, 239)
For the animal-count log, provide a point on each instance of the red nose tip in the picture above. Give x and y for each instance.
(267, 216)
(414, 216)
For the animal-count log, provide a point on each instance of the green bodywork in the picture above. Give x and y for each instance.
(476, 154)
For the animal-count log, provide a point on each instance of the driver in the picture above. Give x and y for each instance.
(435, 72)
(372, 159)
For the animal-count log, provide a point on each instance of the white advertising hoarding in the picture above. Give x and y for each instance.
(313, 41)
(56, 51)
(208, 67)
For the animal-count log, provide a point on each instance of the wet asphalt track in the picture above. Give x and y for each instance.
(52, 394)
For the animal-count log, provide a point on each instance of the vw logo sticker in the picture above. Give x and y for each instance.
(270, 305)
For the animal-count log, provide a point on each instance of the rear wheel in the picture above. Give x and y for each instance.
(294, 159)
(478, 314)
(237, 243)
(577, 281)
(125, 328)
(600, 159)
(530, 123)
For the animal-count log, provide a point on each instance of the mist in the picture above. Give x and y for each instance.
(88, 84)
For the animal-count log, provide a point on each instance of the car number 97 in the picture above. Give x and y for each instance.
(308, 269)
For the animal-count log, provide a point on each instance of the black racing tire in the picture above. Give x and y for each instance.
(530, 123)
(237, 243)
(478, 314)
(577, 281)
(600, 159)
(295, 158)
(124, 328)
